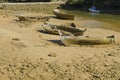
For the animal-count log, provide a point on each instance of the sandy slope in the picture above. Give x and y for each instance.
(27, 54)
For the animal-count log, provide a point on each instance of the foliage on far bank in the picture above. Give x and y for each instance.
(100, 3)
(25, 0)
(75, 2)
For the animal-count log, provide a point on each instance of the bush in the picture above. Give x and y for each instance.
(99, 3)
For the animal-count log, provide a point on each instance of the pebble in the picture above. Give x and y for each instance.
(52, 55)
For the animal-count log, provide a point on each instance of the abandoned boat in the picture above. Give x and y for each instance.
(33, 18)
(63, 15)
(85, 40)
(50, 28)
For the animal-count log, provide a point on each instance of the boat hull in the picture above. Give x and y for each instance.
(63, 15)
(33, 18)
(94, 11)
(50, 28)
(81, 40)
(74, 31)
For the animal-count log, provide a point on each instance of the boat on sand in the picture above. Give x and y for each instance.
(63, 15)
(33, 18)
(51, 28)
(86, 40)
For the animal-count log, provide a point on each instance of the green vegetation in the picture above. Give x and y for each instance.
(3, 0)
(100, 3)
(25, 0)
(75, 2)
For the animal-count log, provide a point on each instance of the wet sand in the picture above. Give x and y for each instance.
(27, 54)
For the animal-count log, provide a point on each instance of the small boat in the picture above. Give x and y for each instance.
(23, 18)
(85, 40)
(50, 28)
(33, 18)
(63, 15)
(74, 31)
(94, 11)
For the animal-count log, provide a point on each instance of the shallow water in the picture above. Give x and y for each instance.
(112, 21)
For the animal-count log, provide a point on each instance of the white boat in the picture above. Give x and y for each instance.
(95, 11)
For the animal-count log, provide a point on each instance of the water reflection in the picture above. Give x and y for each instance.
(94, 14)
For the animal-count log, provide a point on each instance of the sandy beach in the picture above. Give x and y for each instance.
(28, 54)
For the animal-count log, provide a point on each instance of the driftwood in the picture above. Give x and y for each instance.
(50, 28)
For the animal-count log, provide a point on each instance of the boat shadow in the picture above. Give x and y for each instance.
(58, 42)
(55, 17)
(45, 32)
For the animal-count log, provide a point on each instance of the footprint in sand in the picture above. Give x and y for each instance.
(16, 39)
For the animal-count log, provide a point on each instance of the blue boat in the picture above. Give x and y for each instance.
(94, 11)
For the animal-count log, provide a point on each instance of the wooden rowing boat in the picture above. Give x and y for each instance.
(74, 31)
(85, 40)
(50, 28)
(63, 15)
(33, 18)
